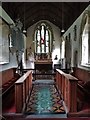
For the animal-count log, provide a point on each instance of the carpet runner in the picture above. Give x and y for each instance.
(44, 99)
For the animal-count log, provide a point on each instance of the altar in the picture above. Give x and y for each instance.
(43, 65)
(43, 68)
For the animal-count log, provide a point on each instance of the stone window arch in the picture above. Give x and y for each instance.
(85, 39)
(43, 38)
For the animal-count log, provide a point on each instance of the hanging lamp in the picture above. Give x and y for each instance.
(24, 30)
(62, 30)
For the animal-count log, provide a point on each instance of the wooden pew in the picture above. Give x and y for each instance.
(84, 81)
(22, 89)
(8, 78)
(67, 84)
(83, 113)
(83, 91)
(81, 74)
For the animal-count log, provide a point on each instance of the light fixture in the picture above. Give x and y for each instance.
(24, 30)
(62, 29)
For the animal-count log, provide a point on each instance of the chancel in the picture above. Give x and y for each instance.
(44, 71)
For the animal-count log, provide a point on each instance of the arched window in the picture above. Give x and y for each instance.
(63, 48)
(43, 38)
(85, 39)
(4, 42)
(85, 44)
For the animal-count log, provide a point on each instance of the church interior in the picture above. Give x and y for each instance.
(44, 60)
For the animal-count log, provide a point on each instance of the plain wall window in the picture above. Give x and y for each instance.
(85, 45)
(4, 42)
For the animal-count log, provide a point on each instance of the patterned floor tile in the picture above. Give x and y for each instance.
(44, 99)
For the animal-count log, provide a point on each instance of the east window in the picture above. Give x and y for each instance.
(43, 39)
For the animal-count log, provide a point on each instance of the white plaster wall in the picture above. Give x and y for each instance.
(12, 63)
(75, 44)
(12, 57)
(5, 16)
(56, 33)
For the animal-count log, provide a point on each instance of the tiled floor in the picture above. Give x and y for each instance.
(45, 100)
(48, 116)
(40, 102)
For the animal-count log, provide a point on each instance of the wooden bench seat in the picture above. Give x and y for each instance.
(75, 95)
(83, 88)
(82, 113)
(8, 85)
(8, 78)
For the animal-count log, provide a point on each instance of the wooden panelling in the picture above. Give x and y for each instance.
(7, 75)
(22, 89)
(81, 74)
(68, 87)
(19, 98)
(8, 78)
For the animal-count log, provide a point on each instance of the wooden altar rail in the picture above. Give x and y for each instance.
(67, 85)
(22, 89)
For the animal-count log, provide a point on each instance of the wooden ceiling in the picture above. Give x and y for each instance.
(62, 14)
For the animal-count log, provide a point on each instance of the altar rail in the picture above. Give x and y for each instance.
(67, 85)
(22, 90)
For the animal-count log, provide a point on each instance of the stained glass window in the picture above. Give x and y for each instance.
(42, 39)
